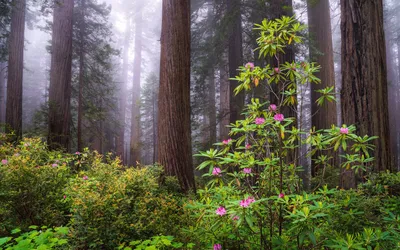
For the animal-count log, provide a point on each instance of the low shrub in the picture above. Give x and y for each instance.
(110, 205)
(32, 182)
(45, 238)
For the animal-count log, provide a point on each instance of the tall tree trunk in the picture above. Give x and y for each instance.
(2, 93)
(397, 136)
(235, 57)
(364, 80)
(224, 97)
(212, 114)
(60, 76)
(81, 73)
(392, 93)
(122, 95)
(15, 69)
(154, 123)
(135, 120)
(321, 51)
(174, 144)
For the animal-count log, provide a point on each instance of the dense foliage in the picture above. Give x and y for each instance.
(254, 197)
(101, 202)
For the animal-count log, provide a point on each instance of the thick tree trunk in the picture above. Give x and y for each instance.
(174, 148)
(224, 97)
(81, 74)
(397, 135)
(135, 120)
(122, 96)
(393, 90)
(15, 69)
(235, 57)
(60, 76)
(321, 51)
(364, 95)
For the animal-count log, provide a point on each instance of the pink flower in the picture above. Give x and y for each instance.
(247, 170)
(235, 217)
(251, 199)
(54, 165)
(85, 177)
(279, 117)
(4, 161)
(216, 171)
(250, 65)
(65, 197)
(344, 131)
(226, 142)
(246, 202)
(77, 153)
(281, 195)
(276, 70)
(259, 120)
(220, 211)
(272, 107)
(248, 146)
(217, 247)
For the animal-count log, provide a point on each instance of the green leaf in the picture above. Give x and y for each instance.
(4, 240)
(15, 231)
(249, 220)
(312, 238)
(166, 242)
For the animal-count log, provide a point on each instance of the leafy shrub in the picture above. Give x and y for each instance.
(156, 243)
(32, 183)
(45, 238)
(110, 205)
(253, 199)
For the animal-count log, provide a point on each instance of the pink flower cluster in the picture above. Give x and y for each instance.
(248, 146)
(217, 247)
(85, 178)
(259, 120)
(247, 170)
(281, 195)
(4, 161)
(246, 202)
(226, 142)
(221, 211)
(250, 65)
(344, 131)
(272, 107)
(216, 171)
(279, 117)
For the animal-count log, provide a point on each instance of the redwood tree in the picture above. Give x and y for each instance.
(60, 76)
(364, 79)
(174, 145)
(135, 117)
(235, 56)
(321, 51)
(15, 68)
(122, 93)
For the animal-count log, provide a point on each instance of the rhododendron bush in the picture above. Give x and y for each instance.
(254, 197)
